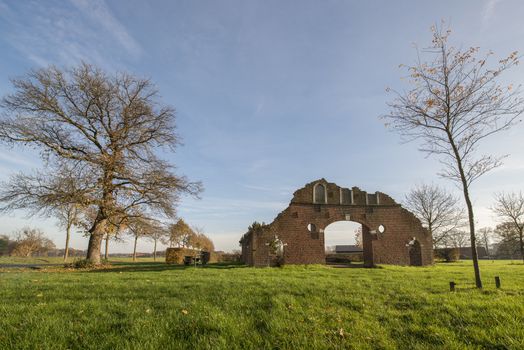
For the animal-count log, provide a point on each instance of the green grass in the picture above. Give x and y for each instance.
(12, 260)
(154, 306)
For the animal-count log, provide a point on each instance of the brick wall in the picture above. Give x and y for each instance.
(307, 247)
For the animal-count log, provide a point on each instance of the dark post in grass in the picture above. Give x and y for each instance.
(452, 286)
(497, 281)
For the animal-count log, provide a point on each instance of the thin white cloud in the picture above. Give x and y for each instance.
(272, 189)
(50, 33)
(220, 206)
(489, 10)
(258, 165)
(14, 158)
(100, 13)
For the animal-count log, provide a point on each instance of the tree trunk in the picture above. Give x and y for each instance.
(430, 230)
(106, 252)
(154, 251)
(134, 249)
(474, 256)
(66, 250)
(521, 243)
(99, 228)
(95, 241)
(94, 247)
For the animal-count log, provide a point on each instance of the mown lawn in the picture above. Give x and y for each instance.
(154, 306)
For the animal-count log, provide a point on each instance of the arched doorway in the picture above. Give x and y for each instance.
(415, 253)
(348, 242)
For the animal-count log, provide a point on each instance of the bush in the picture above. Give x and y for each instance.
(227, 257)
(341, 258)
(279, 261)
(447, 254)
(81, 264)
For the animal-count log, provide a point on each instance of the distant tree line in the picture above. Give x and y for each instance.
(439, 211)
(26, 242)
(33, 242)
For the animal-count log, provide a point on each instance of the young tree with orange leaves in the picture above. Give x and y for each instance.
(454, 104)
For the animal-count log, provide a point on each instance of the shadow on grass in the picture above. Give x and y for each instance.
(161, 266)
(352, 266)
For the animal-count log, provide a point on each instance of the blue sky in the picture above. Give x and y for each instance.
(270, 95)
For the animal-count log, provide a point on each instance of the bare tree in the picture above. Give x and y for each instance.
(510, 209)
(140, 226)
(456, 103)
(45, 195)
(456, 239)
(114, 233)
(358, 237)
(29, 241)
(508, 244)
(106, 130)
(68, 216)
(438, 210)
(160, 234)
(485, 235)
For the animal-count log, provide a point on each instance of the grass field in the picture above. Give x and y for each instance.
(10, 260)
(153, 306)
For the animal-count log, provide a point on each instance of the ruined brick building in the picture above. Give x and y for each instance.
(390, 233)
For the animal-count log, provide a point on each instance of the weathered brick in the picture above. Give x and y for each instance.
(371, 210)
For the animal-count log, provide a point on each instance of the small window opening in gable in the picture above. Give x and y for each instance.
(319, 194)
(346, 196)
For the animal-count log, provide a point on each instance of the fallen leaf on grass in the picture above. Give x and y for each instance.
(185, 312)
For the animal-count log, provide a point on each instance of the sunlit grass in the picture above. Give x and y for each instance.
(151, 305)
(12, 260)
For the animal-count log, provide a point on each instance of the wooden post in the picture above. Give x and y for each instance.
(452, 286)
(497, 281)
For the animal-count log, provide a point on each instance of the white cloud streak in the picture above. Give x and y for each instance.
(15, 159)
(50, 33)
(489, 10)
(99, 12)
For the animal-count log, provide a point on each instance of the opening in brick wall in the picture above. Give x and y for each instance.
(343, 242)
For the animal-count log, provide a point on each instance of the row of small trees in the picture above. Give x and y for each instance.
(441, 213)
(178, 234)
(29, 241)
(182, 235)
